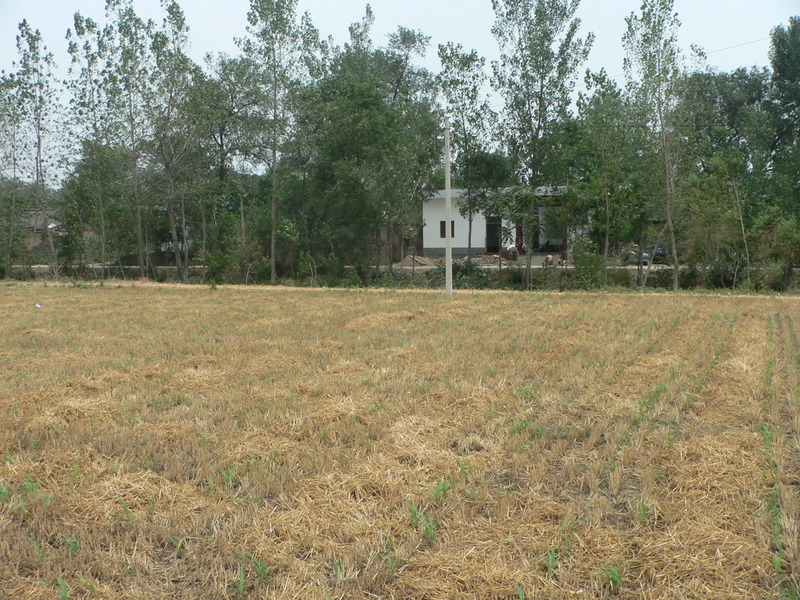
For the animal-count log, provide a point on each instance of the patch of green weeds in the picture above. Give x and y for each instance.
(714, 319)
(527, 393)
(526, 426)
(419, 520)
(167, 401)
(231, 474)
(143, 464)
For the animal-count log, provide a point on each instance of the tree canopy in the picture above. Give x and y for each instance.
(298, 156)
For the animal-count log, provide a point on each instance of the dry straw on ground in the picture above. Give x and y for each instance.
(273, 443)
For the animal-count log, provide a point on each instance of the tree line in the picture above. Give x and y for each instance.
(299, 155)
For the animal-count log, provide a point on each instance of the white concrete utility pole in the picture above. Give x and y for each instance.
(448, 204)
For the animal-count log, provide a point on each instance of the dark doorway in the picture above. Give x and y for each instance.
(493, 235)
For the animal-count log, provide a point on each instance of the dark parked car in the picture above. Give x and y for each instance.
(659, 254)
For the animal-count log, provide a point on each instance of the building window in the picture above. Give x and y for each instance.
(443, 231)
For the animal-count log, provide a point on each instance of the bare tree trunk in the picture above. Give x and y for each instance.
(674, 247)
(469, 237)
(140, 245)
(607, 227)
(241, 219)
(103, 242)
(204, 220)
(185, 236)
(741, 225)
(13, 208)
(390, 233)
(41, 192)
(528, 237)
(173, 225)
(669, 181)
(273, 244)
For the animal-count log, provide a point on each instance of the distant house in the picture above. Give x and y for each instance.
(36, 224)
(486, 230)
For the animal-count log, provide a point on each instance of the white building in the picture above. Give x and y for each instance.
(487, 233)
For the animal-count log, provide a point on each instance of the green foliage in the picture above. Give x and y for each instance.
(347, 143)
(218, 266)
(589, 272)
(354, 280)
(330, 269)
(466, 275)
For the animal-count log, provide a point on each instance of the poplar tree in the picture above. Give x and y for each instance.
(463, 82)
(36, 82)
(11, 150)
(540, 57)
(128, 86)
(90, 117)
(277, 43)
(609, 138)
(174, 122)
(652, 66)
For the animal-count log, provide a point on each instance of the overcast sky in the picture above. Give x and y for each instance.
(734, 32)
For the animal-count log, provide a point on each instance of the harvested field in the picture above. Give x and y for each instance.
(187, 442)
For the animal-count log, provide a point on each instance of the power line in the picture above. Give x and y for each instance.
(737, 46)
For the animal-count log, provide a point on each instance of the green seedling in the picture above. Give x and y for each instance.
(428, 529)
(614, 579)
(126, 511)
(552, 562)
(260, 567)
(63, 590)
(29, 488)
(641, 509)
(777, 563)
(414, 514)
(73, 545)
(240, 583)
(441, 489)
(36, 551)
(179, 545)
